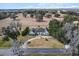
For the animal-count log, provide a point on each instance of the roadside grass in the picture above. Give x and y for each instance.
(37, 43)
(5, 44)
(8, 44)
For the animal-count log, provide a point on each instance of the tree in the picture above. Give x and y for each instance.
(53, 11)
(3, 15)
(55, 29)
(46, 39)
(72, 35)
(5, 38)
(48, 15)
(63, 12)
(25, 14)
(71, 13)
(31, 15)
(69, 18)
(26, 31)
(42, 12)
(57, 15)
(10, 32)
(39, 17)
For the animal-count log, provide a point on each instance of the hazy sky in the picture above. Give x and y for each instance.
(37, 5)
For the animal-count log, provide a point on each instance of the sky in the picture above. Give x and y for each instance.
(37, 5)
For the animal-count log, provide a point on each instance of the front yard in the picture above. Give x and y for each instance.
(45, 43)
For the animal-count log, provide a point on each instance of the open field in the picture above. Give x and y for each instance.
(5, 22)
(25, 21)
(25, 38)
(37, 43)
(31, 22)
(42, 43)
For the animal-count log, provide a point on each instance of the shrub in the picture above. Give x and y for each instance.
(28, 42)
(39, 17)
(63, 12)
(46, 39)
(26, 31)
(31, 15)
(54, 12)
(25, 14)
(11, 33)
(48, 15)
(55, 30)
(3, 15)
(57, 15)
(70, 18)
(5, 38)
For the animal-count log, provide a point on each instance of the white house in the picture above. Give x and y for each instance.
(38, 31)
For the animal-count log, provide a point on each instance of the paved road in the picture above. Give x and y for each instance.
(24, 47)
(45, 51)
(8, 52)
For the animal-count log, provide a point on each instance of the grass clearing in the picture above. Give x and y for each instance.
(42, 43)
(5, 44)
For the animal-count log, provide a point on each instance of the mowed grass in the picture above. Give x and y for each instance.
(5, 44)
(42, 43)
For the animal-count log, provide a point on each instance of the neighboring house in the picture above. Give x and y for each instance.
(38, 31)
